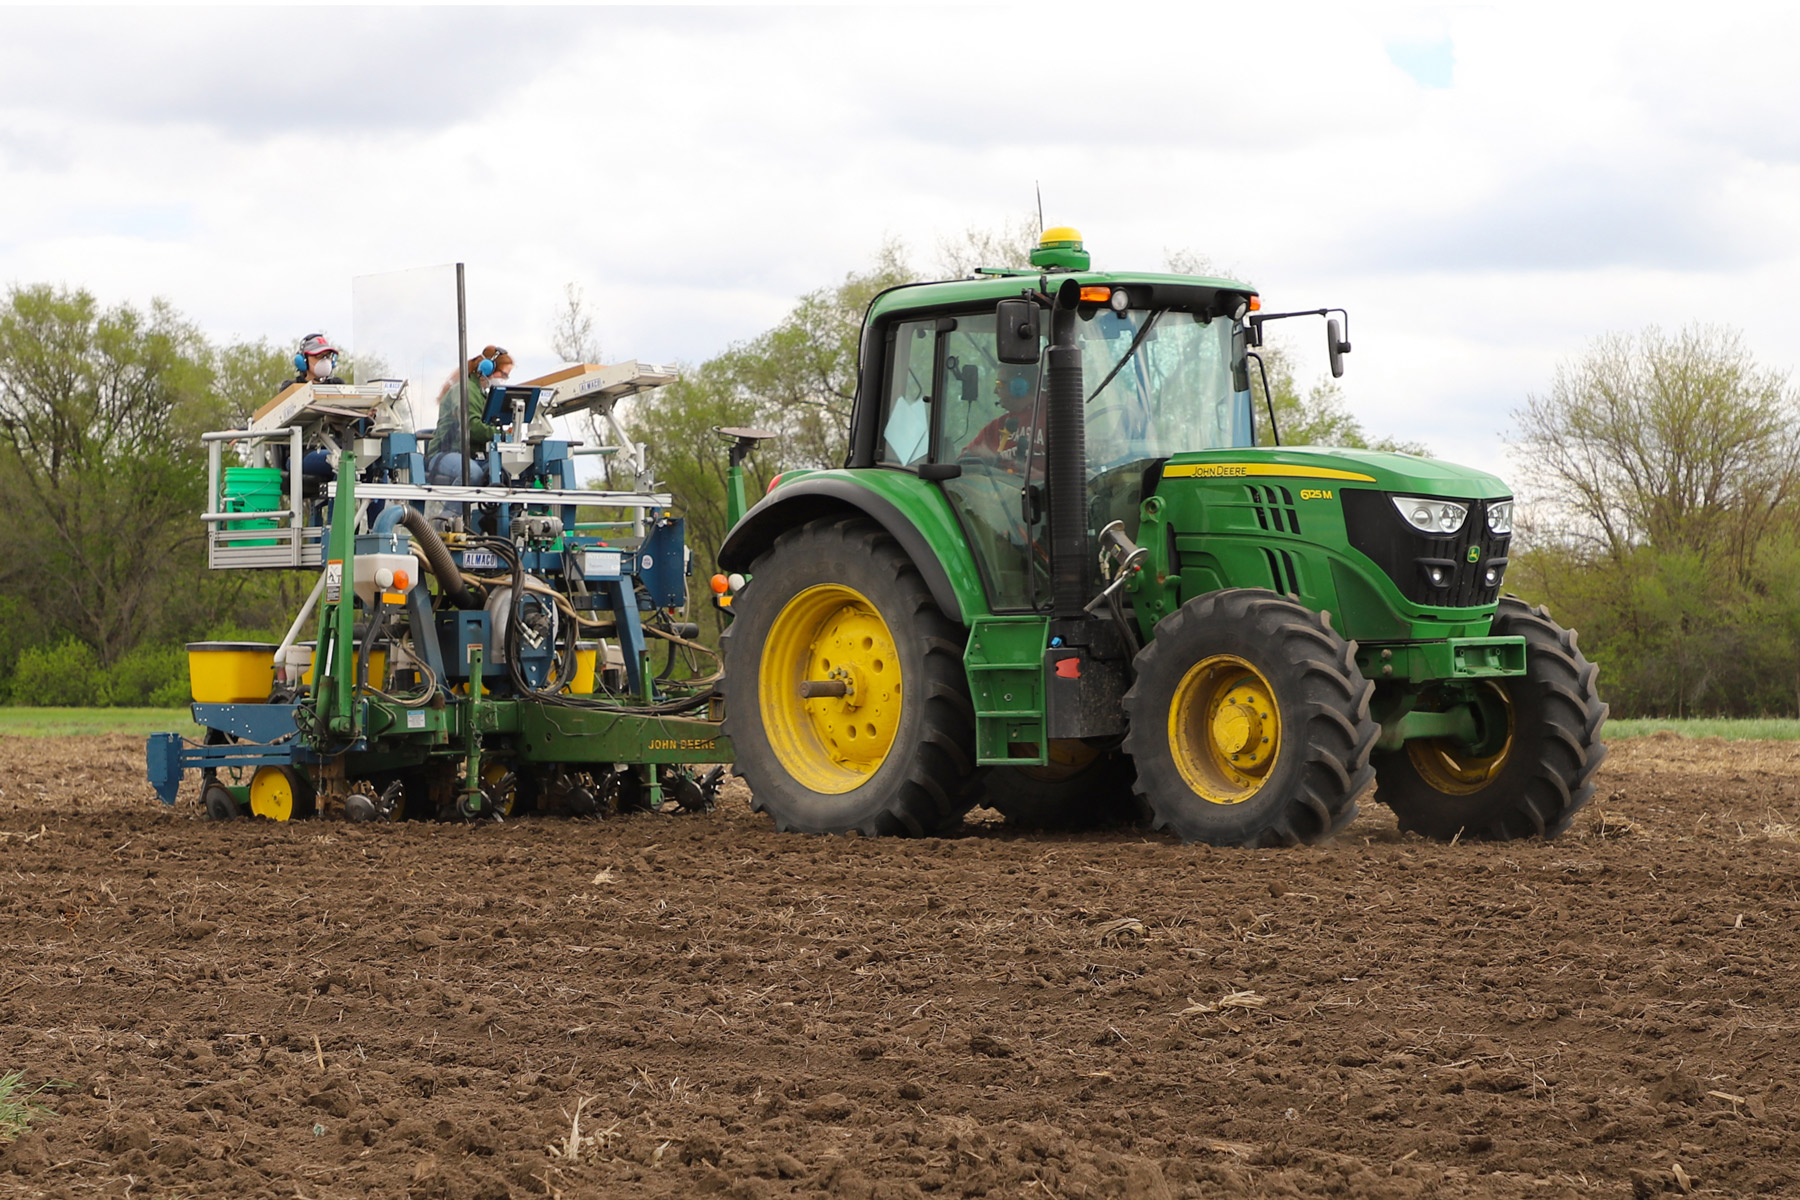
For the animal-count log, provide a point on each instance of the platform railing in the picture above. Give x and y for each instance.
(290, 543)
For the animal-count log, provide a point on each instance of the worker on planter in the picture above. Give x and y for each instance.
(316, 361)
(445, 466)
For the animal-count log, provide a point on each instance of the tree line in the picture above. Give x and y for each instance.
(1659, 483)
(102, 477)
(1665, 475)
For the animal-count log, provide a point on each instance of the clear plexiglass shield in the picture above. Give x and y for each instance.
(404, 327)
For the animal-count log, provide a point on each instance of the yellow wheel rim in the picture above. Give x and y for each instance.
(1224, 729)
(272, 793)
(493, 772)
(1447, 765)
(830, 744)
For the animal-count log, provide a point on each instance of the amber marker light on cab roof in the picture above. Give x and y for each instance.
(1256, 304)
(1095, 295)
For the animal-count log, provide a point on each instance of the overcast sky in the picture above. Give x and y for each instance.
(1484, 187)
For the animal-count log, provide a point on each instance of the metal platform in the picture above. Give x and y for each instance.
(537, 497)
(284, 546)
(285, 539)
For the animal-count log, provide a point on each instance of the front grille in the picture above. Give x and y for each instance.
(1378, 530)
(1274, 507)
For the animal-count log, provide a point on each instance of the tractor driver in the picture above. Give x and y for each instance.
(1014, 440)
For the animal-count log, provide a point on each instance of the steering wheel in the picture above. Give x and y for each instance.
(1129, 419)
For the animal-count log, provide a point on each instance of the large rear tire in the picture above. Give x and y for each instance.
(1249, 722)
(1542, 772)
(836, 601)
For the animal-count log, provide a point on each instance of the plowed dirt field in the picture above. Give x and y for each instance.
(681, 1006)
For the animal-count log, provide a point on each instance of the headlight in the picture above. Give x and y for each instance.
(1500, 517)
(1431, 516)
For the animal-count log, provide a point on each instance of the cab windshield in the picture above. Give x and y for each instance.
(1159, 382)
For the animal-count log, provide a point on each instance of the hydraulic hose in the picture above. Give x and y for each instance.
(437, 557)
(550, 693)
(377, 627)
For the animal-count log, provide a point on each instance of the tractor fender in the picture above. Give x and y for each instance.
(812, 497)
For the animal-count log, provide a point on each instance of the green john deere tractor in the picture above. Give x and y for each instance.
(1057, 576)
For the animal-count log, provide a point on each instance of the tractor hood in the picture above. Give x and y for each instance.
(1342, 466)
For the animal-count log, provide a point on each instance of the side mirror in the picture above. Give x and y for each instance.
(1335, 347)
(1017, 332)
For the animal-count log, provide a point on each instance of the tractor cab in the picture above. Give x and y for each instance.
(953, 392)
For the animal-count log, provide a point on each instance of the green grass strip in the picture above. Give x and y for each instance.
(1760, 729)
(65, 722)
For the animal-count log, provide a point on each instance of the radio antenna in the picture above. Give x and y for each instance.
(1040, 198)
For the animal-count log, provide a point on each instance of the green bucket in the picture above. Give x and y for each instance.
(252, 489)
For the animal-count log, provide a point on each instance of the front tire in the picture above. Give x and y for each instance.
(1249, 722)
(1543, 771)
(836, 601)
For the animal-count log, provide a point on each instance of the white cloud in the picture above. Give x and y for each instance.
(696, 170)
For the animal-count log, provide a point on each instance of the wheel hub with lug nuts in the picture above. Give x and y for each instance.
(1238, 727)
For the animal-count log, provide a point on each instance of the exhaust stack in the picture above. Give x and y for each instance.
(1066, 470)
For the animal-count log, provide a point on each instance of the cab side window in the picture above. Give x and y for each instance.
(989, 427)
(906, 415)
(991, 412)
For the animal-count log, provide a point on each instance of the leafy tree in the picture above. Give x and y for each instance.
(103, 473)
(572, 339)
(1678, 442)
(21, 627)
(1192, 262)
(246, 375)
(154, 676)
(797, 380)
(801, 375)
(101, 465)
(572, 334)
(1665, 472)
(689, 457)
(1008, 244)
(64, 675)
(1317, 416)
